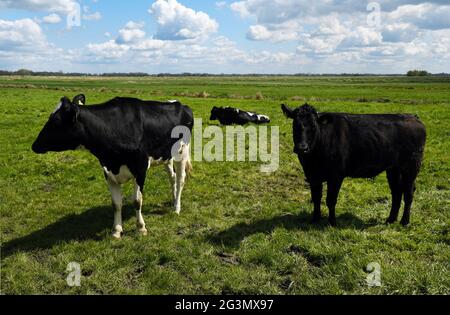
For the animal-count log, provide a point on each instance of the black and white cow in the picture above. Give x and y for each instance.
(127, 136)
(333, 146)
(230, 116)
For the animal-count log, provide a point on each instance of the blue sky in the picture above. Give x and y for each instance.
(234, 36)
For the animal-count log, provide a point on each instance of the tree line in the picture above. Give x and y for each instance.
(26, 72)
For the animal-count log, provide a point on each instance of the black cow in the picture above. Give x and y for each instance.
(332, 146)
(127, 135)
(230, 116)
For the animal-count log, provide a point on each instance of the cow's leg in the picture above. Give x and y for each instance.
(316, 194)
(409, 174)
(116, 196)
(180, 169)
(408, 193)
(138, 200)
(333, 187)
(140, 172)
(395, 184)
(173, 180)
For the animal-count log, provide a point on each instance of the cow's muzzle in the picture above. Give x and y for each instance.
(303, 148)
(38, 149)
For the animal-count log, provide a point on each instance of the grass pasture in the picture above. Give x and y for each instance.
(240, 231)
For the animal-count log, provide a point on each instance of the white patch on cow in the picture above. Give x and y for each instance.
(172, 101)
(263, 116)
(57, 107)
(121, 178)
(80, 103)
(138, 199)
(251, 114)
(116, 196)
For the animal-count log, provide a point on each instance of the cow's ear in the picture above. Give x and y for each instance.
(70, 111)
(65, 103)
(79, 100)
(288, 112)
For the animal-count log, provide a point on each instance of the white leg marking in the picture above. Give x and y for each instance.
(172, 178)
(138, 199)
(116, 196)
(180, 169)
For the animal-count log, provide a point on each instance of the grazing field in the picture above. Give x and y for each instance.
(240, 231)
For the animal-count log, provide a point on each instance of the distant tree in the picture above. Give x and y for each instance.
(417, 73)
(24, 72)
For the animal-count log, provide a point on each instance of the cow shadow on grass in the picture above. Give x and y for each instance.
(233, 236)
(93, 224)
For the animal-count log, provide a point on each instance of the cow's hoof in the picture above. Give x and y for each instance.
(117, 235)
(142, 231)
(178, 210)
(390, 221)
(404, 222)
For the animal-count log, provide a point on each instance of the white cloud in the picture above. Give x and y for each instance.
(106, 51)
(287, 31)
(24, 45)
(424, 15)
(149, 44)
(59, 6)
(131, 33)
(241, 8)
(282, 20)
(52, 19)
(92, 16)
(330, 36)
(177, 22)
(221, 4)
(399, 32)
(23, 34)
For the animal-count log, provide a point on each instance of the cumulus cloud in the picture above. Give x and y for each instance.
(272, 15)
(221, 4)
(177, 22)
(131, 33)
(399, 32)
(92, 16)
(287, 31)
(424, 15)
(323, 36)
(60, 6)
(106, 51)
(24, 45)
(19, 35)
(52, 19)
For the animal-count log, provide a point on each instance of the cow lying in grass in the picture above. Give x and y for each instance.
(127, 136)
(232, 116)
(332, 146)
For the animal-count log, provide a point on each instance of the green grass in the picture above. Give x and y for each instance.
(240, 231)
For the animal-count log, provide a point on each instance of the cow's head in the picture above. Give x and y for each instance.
(214, 111)
(62, 131)
(306, 127)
